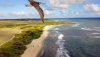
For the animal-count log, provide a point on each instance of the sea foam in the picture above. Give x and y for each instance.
(61, 51)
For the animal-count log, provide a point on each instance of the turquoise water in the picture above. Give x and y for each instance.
(77, 40)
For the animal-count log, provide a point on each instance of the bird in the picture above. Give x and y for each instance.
(35, 4)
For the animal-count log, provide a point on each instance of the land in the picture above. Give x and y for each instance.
(8, 33)
(19, 33)
(36, 45)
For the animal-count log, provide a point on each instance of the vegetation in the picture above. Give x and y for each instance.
(8, 33)
(30, 30)
(16, 46)
(27, 23)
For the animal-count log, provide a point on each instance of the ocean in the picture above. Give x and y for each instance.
(75, 40)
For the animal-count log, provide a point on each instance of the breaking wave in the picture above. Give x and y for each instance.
(61, 51)
(76, 25)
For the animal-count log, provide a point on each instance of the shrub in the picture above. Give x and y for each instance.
(16, 46)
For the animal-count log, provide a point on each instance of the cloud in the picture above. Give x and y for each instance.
(92, 7)
(62, 4)
(25, 13)
(19, 14)
(74, 13)
(47, 12)
(3, 15)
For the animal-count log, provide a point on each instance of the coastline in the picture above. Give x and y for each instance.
(36, 45)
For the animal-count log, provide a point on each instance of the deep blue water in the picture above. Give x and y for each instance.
(76, 40)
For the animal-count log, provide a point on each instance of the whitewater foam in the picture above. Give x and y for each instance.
(90, 29)
(87, 29)
(57, 32)
(76, 25)
(61, 51)
(95, 33)
(56, 29)
(60, 37)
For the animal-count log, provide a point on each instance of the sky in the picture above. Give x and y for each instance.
(52, 9)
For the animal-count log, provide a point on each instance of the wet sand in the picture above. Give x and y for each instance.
(49, 51)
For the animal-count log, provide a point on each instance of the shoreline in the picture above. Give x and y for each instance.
(36, 45)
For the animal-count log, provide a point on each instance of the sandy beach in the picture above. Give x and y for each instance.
(35, 46)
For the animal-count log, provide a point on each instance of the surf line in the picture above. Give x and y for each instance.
(61, 51)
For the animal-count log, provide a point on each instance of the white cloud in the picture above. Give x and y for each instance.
(3, 15)
(47, 12)
(74, 13)
(24, 14)
(92, 7)
(62, 4)
(19, 14)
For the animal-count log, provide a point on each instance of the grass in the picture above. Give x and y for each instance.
(31, 29)
(7, 34)
(16, 46)
(27, 23)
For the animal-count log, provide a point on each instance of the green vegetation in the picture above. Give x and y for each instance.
(16, 46)
(30, 30)
(27, 23)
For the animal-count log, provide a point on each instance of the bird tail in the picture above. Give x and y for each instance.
(43, 20)
(41, 3)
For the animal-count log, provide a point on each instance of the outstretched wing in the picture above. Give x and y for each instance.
(41, 13)
(36, 5)
(30, 0)
(28, 5)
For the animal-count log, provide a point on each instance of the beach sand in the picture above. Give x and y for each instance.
(36, 45)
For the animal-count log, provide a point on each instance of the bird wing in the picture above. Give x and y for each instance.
(28, 5)
(30, 0)
(41, 13)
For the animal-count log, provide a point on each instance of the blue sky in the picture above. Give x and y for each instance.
(52, 9)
